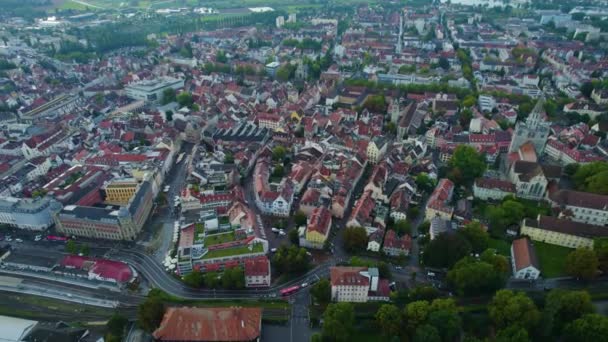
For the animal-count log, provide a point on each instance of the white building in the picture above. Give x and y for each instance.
(257, 272)
(486, 103)
(492, 189)
(152, 90)
(31, 214)
(356, 284)
(524, 261)
(581, 207)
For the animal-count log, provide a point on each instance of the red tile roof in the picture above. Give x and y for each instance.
(210, 324)
(103, 268)
(524, 254)
(348, 276)
(320, 220)
(257, 267)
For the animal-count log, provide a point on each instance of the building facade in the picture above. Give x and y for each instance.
(562, 232)
(30, 214)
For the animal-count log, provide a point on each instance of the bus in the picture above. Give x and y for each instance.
(57, 238)
(289, 291)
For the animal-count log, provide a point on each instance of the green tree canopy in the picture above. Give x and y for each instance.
(471, 276)
(278, 153)
(338, 321)
(477, 236)
(466, 164)
(355, 239)
(194, 279)
(563, 307)
(291, 260)
(512, 333)
(300, 218)
(321, 291)
(445, 250)
(582, 263)
(589, 328)
(427, 333)
(388, 318)
(592, 177)
(150, 313)
(509, 308)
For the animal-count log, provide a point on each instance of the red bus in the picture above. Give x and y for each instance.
(290, 290)
(56, 238)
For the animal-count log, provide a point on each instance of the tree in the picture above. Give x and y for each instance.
(355, 239)
(233, 278)
(445, 250)
(416, 314)
(600, 247)
(403, 227)
(589, 328)
(220, 57)
(278, 153)
(391, 128)
(471, 276)
(586, 89)
(477, 236)
(424, 182)
(194, 279)
(338, 321)
(582, 263)
(563, 307)
(279, 171)
(212, 280)
(291, 260)
(321, 291)
(184, 99)
(447, 323)
(466, 164)
(71, 247)
(84, 249)
(514, 333)
(169, 115)
(300, 218)
(592, 177)
(294, 237)
(444, 63)
(501, 217)
(427, 333)
(150, 313)
(228, 158)
(116, 325)
(508, 308)
(168, 96)
(388, 318)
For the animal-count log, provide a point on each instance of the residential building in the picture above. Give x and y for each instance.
(581, 207)
(438, 203)
(376, 149)
(120, 191)
(357, 284)
(535, 129)
(396, 246)
(600, 96)
(486, 103)
(257, 272)
(113, 223)
(492, 189)
(152, 90)
(439, 226)
(525, 264)
(318, 227)
(375, 240)
(99, 269)
(562, 232)
(30, 214)
(210, 324)
(274, 201)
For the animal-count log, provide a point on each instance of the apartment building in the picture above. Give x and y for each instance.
(562, 232)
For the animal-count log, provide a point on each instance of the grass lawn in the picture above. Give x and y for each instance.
(217, 239)
(257, 248)
(501, 246)
(551, 259)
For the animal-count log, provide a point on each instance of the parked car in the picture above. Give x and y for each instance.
(273, 250)
(304, 285)
(274, 230)
(18, 240)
